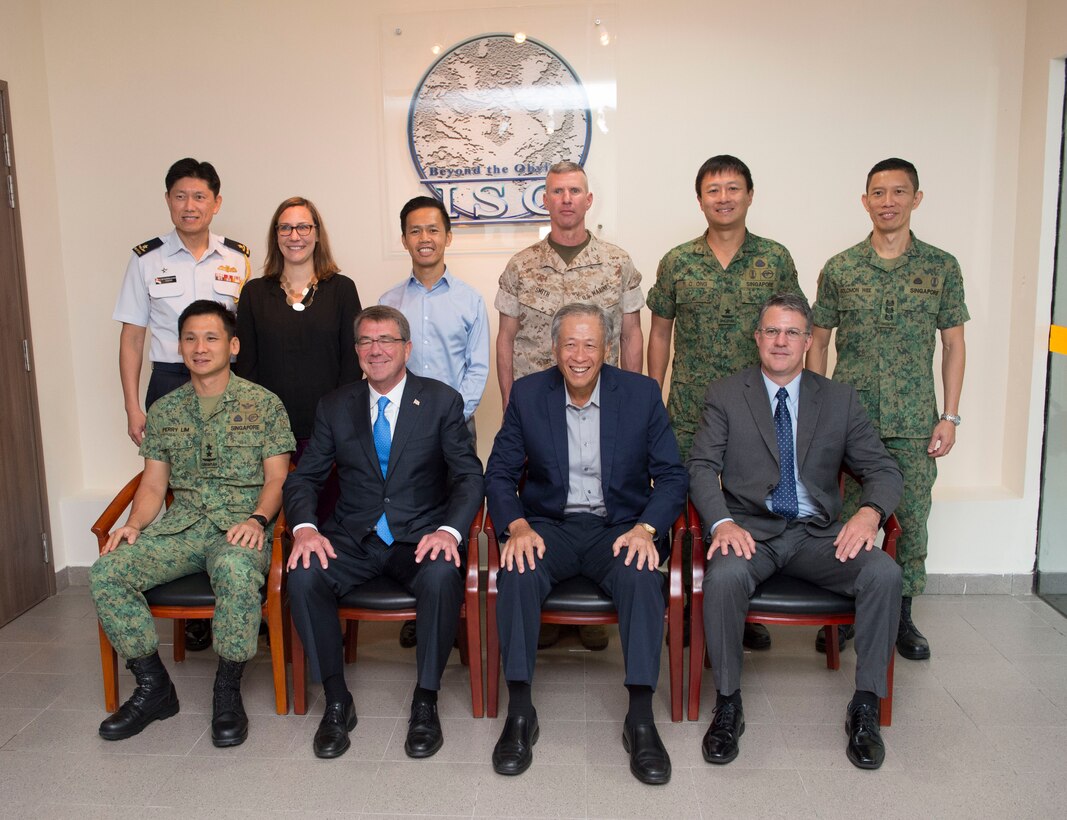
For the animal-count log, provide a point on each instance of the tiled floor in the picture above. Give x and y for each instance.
(979, 730)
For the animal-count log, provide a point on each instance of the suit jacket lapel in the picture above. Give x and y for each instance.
(362, 424)
(556, 413)
(609, 423)
(808, 415)
(760, 406)
(408, 417)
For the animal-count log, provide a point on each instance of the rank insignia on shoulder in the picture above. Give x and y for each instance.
(237, 246)
(145, 247)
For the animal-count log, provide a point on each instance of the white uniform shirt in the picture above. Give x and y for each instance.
(161, 282)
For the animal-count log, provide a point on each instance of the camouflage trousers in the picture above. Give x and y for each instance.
(913, 511)
(118, 579)
(685, 406)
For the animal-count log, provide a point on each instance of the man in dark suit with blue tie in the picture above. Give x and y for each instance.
(763, 475)
(592, 439)
(410, 485)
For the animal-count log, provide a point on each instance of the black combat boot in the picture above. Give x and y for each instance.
(229, 723)
(153, 699)
(911, 643)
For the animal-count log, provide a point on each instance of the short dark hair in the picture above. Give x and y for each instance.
(190, 167)
(383, 313)
(787, 301)
(208, 307)
(720, 164)
(894, 164)
(424, 202)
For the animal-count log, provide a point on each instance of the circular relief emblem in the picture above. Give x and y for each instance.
(489, 119)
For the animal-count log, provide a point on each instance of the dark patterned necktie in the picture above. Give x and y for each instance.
(784, 497)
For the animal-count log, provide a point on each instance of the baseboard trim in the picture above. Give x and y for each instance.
(936, 584)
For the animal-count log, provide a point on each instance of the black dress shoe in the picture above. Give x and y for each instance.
(720, 741)
(197, 634)
(649, 761)
(844, 635)
(424, 731)
(513, 753)
(331, 738)
(756, 637)
(911, 643)
(407, 635)
(865, 747)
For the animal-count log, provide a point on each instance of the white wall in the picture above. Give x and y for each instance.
(286, 100)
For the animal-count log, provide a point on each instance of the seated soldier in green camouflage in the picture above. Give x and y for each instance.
(222, 445)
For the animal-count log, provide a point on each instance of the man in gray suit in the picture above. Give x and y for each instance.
(763, 475)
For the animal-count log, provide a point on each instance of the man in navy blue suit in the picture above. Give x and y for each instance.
(592, 439)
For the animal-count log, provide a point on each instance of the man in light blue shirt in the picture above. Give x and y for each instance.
(449, 323)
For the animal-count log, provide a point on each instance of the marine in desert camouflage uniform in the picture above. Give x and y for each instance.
(540, 279)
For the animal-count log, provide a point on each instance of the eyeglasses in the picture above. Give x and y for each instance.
(303, 229)
(793, 334)
(364, 342)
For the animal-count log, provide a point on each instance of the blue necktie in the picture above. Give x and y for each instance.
(784, 497)
(382, 444)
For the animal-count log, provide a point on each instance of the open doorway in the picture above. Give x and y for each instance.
(1052, 520)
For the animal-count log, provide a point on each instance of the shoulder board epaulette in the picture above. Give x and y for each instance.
(145, 247)
(237, 246)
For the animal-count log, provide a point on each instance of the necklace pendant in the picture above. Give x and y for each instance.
(298, 306)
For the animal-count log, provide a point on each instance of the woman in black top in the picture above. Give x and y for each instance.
(295, 323)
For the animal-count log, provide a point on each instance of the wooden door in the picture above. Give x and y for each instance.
(27, 573)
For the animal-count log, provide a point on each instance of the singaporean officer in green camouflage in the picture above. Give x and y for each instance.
(888, 297)
(708, 292)
(222, 445)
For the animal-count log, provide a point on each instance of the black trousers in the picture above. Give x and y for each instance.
(314, 592)
(581, 545)
(166, 376)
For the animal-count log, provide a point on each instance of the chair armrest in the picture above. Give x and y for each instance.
(110, 516)
(674, 567)
(279, 554)
(473, 547)
(696, 530)
(892, 533)
(492, 549)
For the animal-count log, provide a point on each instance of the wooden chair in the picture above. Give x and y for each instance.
(383, 599)
(192, 597)
(580, 601)
(782, 600)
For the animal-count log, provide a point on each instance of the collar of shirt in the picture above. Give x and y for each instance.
(594, 398)
(445, 281)
(394, 396)
(172, 244)
(793, 389)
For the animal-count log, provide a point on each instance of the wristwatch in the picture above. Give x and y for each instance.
(950, 417)
(259, 519)
(647, 528)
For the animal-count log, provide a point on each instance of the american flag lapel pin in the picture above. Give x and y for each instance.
(415, 402)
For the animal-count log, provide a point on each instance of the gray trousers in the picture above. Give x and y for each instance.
(872, 578)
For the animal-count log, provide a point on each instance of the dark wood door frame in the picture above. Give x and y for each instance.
(22, 592)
